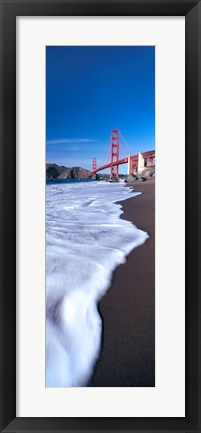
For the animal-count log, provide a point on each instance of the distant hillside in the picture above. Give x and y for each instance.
(54, 171)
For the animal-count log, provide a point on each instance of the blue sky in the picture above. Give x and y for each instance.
(91, 90)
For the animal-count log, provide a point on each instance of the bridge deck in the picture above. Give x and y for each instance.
(112, 164)
(148, 154)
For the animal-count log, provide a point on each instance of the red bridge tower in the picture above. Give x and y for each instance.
(114, 152)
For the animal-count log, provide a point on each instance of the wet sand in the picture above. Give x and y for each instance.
(128, 309)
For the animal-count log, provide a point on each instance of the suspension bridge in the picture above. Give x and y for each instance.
(136, 163)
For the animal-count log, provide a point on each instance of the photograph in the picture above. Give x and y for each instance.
(100, 216)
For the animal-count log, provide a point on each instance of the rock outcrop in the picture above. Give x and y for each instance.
(148, 172)
(54, 171)
(114, 179)
(144, 175)
(130, 178)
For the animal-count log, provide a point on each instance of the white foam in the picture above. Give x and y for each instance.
(85, 241)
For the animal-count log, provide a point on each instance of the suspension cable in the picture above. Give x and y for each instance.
(129, 147)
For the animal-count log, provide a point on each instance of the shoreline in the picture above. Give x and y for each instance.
(127, 310)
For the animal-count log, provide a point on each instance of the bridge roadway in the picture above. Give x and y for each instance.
(148, 154)
(112, 164)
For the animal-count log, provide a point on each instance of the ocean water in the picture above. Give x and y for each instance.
(85, 241)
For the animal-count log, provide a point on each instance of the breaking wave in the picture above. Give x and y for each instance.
(85, 241)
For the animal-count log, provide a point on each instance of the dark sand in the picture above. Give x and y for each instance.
(128, 309)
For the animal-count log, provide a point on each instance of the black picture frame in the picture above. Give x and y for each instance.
(191, 9)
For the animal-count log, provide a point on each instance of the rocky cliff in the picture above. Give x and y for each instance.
(54, 171)
(147, 173)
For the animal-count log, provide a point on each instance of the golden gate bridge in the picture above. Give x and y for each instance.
(135, 163)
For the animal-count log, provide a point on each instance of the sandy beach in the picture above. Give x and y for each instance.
(128, 309)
